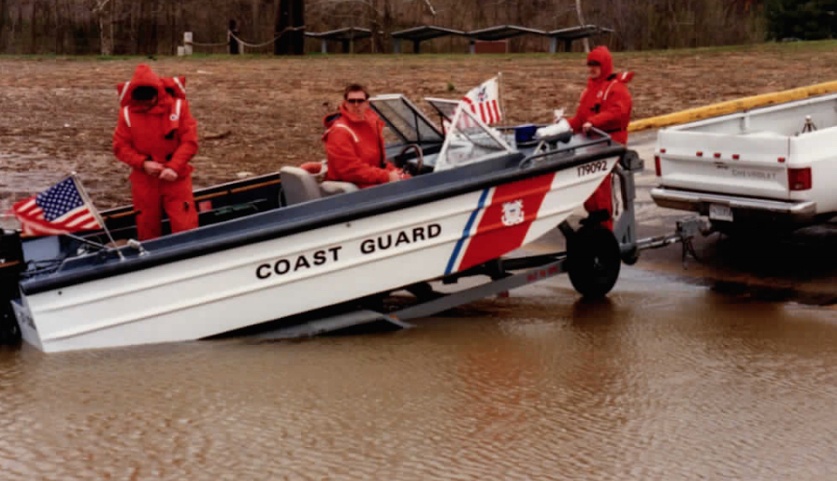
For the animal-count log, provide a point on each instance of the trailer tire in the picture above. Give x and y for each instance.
(593, 261)
(631, 257)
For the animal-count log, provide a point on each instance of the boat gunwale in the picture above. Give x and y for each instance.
(262, 226)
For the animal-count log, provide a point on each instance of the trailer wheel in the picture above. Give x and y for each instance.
(631, 257)
(593, 261)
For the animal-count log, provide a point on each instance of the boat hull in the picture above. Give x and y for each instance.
(207, 295)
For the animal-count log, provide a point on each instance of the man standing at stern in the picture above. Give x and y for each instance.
(157, 136)
(606, 105)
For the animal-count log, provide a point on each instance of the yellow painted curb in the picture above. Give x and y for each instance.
(732, 106)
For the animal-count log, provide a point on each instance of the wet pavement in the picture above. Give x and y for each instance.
(722, 370)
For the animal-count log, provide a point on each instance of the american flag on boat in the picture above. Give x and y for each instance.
(61, 209)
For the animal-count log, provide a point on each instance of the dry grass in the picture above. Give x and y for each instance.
(256, 114)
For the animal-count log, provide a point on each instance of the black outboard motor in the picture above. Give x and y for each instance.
(11, 265)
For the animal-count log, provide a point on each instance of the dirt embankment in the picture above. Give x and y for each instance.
(256, 114)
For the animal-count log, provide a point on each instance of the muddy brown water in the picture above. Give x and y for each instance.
(663, 381)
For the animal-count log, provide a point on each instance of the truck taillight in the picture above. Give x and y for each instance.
(657, 169)
(800, 179)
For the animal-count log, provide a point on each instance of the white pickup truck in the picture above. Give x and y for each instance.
(773, 167)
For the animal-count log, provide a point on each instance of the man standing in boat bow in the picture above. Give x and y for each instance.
(606, 105)
(157, 136)
(354, 143)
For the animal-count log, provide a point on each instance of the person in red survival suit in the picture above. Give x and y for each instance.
(606, 105)
(354, 143)
(157, 136)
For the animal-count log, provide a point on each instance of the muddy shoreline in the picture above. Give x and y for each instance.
(257, 114)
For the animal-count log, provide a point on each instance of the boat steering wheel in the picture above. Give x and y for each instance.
(419, 157)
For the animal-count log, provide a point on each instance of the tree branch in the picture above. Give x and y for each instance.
(99, 5)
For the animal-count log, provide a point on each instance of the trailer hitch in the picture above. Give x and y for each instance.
(686, 229)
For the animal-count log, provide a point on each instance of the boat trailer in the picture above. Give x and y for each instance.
(592, 260)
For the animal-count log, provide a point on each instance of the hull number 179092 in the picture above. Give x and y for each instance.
(592, 168)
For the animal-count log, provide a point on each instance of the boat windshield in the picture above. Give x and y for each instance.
(469, 140)
(405, 120)
(444, 107)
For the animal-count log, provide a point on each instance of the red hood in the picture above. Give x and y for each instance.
(145, 77)
(168, 89)
(602, 56)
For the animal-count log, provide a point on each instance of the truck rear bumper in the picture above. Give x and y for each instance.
(741, 209)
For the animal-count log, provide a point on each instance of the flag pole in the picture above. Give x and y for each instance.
(86, 199)
(500, 93)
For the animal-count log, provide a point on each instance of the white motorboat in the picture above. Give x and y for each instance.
(274, 247)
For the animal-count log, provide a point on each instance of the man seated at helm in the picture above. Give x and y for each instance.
(354, 143)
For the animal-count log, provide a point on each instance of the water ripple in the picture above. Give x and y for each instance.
(645, 386)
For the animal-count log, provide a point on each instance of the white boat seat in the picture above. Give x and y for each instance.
(331, 187)
(300, 186)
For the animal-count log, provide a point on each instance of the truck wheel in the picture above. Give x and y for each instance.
(593, 261)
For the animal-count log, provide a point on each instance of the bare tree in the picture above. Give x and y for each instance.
(157, 26)
(289, 19)
(430, 8)
(98, 8)
(582, 23)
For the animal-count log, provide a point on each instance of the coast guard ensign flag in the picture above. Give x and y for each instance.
(484, 101)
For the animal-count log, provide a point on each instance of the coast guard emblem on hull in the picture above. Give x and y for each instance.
(513, 212)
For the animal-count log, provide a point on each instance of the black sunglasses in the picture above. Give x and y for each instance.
(355, 101)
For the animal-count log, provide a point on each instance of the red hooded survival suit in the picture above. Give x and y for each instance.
(606, 104)
(166, 133)
(355, 149)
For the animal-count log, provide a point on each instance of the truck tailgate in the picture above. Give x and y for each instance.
(749, 164)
